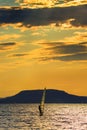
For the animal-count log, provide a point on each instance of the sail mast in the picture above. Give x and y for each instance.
(43, 97)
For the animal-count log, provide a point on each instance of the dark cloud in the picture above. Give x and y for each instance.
(8, 44)
(68, 48)
(72, 57)
(44, 16)
(65, 52)
(19, 55)
(4, 46)
(83, 43)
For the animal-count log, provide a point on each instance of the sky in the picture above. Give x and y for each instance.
(43, 43)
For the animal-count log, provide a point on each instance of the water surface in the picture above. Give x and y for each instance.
(56, 117)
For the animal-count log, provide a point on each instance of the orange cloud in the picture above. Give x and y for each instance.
(50, 3)
(8, 36)
(37, 3)
(69, 49)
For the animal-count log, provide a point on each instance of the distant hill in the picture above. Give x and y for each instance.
(52, 96)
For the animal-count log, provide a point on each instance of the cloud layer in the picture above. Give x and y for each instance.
(45, 16)
(6, 46)
(49, 3)
(64, 51)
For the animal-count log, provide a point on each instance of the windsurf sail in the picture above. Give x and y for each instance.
(41, 106)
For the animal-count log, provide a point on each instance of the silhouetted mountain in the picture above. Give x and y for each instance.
(52, 96)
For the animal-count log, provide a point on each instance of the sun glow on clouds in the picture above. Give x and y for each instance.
(74, 47)
(11, 37)
(67, 3)
(50, 3)
(38, 3)
(41, 3)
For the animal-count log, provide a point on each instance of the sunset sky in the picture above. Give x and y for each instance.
(43, 43)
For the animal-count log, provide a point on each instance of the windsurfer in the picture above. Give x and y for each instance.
(41, 113)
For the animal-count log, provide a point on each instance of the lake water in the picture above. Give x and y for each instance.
(56, 117)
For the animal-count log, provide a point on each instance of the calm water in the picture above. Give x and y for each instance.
(56, 117)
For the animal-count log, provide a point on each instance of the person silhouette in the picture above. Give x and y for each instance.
(41, 113)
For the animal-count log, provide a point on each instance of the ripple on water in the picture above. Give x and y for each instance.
(56, 117)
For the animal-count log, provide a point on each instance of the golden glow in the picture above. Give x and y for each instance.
(50, 3)
(44, 2)
(40, 49)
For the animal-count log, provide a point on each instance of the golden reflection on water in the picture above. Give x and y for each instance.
(56, 117)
